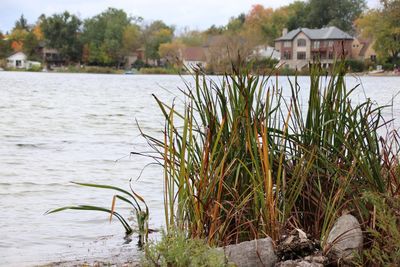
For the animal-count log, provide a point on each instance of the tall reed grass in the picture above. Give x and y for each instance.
(242, 161)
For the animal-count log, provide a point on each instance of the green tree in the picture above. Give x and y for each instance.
(61, 31)
(298, 12)
(30, 46)
(22, 23)
(235, 24)
(339, 13)
(215, 30)
(5, 47)
(103, 35)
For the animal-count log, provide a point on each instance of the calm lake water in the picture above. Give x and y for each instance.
(57, 128)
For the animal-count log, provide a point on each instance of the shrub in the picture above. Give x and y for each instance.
(158, 71)
(175, 249)
(383, 244)
(388, 66)
(138, 64)
(355, 65)
(35, 68)
(263, 65)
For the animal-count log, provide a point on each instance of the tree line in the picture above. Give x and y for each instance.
(109, 37)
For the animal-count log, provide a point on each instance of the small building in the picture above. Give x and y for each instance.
(17, 61)
(194, 57)
(264, 51)
(301, 46)
(362, 49)
(20, 61)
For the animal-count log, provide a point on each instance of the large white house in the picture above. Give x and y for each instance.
(20, 61)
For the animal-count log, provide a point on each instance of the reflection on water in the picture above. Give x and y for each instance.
(57, 128)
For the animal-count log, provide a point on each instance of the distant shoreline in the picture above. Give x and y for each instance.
(163, 71)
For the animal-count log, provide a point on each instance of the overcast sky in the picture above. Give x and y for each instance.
(197, 14)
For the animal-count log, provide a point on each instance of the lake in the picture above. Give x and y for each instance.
(56, 128)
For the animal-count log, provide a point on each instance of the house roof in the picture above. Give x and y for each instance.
(328, 33)
(265, 52)
(194, 54)
(366, 43)
(17, 55)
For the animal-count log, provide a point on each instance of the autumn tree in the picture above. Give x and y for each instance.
(23, 39)
(172, 52)
(192, 38)
(255, 25)
(131, 39)
(224, 49)
(18, 34)
(383, 26)
(61, 31)
(154, 35)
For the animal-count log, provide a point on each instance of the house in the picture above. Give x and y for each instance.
(20, 61)
(301, 46)
(194, 57)
(137, 56)
(362, 49)
(52, 57)
(17, 61)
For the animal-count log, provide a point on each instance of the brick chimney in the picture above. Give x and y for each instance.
(284, 31)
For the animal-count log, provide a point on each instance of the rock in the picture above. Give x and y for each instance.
(296, 245)
(344, 239)
(316, 259)
(258, 252)
(298, 263)
(309, 261)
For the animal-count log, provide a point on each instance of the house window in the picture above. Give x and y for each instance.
(330, 55)
(330, 43)
(316, 44)
(286, 55)
(287, 44)
(373, 58)
(18, 63)
(301, 55)
(301, 42)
